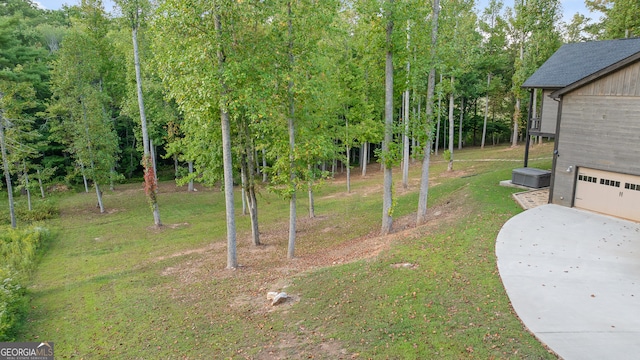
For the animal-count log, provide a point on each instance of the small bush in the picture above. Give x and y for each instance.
(18, 253)
(41, 210)
(13, 305)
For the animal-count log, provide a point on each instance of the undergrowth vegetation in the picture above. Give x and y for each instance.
(18, 253)
(41, 209)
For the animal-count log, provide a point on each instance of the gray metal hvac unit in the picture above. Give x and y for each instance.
(531, 177)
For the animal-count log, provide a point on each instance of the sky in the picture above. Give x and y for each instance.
(570, 7)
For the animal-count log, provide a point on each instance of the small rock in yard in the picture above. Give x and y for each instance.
(279, 299)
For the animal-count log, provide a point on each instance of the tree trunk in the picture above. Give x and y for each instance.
(431, 85)
(152, 148)
(264, 165)
(243, 187)
(291, 126)
(5, 164)
(365, 158)
(405, 141)
(232, 259)
(516, 113)
(112, 176)
(40, 183)
(253, 213)
(176, 167)
(486, 113)
(439, 112)
(516, 121)
(348, 169)
(460, 124)
(387, 198)
(84, 178)
(26, 185)
(151, 183)
(334, 166)
(190, 187)
(451, 127)
(312, 209)
(99, 196)
(405, 117)
(249, 194)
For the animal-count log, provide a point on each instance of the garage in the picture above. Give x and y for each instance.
(608, 192)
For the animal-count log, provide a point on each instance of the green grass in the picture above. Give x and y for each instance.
(110, 286)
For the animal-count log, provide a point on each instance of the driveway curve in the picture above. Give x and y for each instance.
(573, 278)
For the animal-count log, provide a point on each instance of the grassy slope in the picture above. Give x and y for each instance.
(111, 287)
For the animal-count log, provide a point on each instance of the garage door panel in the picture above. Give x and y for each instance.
(608, 192)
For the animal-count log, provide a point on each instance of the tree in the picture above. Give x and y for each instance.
(205, 35)
(621, 18)
(135, 11)
(80, 100)
(535, 34)
(428, 128)
(387, 197)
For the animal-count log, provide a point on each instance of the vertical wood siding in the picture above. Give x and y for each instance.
(549, 114)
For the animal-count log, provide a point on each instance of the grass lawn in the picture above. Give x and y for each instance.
(111, 286)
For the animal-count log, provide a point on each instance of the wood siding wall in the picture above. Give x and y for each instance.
(600, 129)
(624, 82)
(549, 116)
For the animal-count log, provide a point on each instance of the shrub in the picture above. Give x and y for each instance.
(18, 253)
(13, 305)
(41, 210)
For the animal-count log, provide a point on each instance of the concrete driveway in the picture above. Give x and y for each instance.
(573, 278)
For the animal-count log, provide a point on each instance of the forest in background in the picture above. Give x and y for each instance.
(267, 93)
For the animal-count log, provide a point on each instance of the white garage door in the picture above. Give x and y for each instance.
(608, 193)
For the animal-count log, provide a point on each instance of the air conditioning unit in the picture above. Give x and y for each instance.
(531, 177)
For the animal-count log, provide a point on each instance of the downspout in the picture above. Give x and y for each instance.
(556, 155)
(528, 138)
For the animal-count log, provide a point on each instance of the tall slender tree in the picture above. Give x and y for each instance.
(428, 128)
(135, 12)
(387, 197)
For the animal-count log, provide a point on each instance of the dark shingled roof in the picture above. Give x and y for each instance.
(574, 62)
